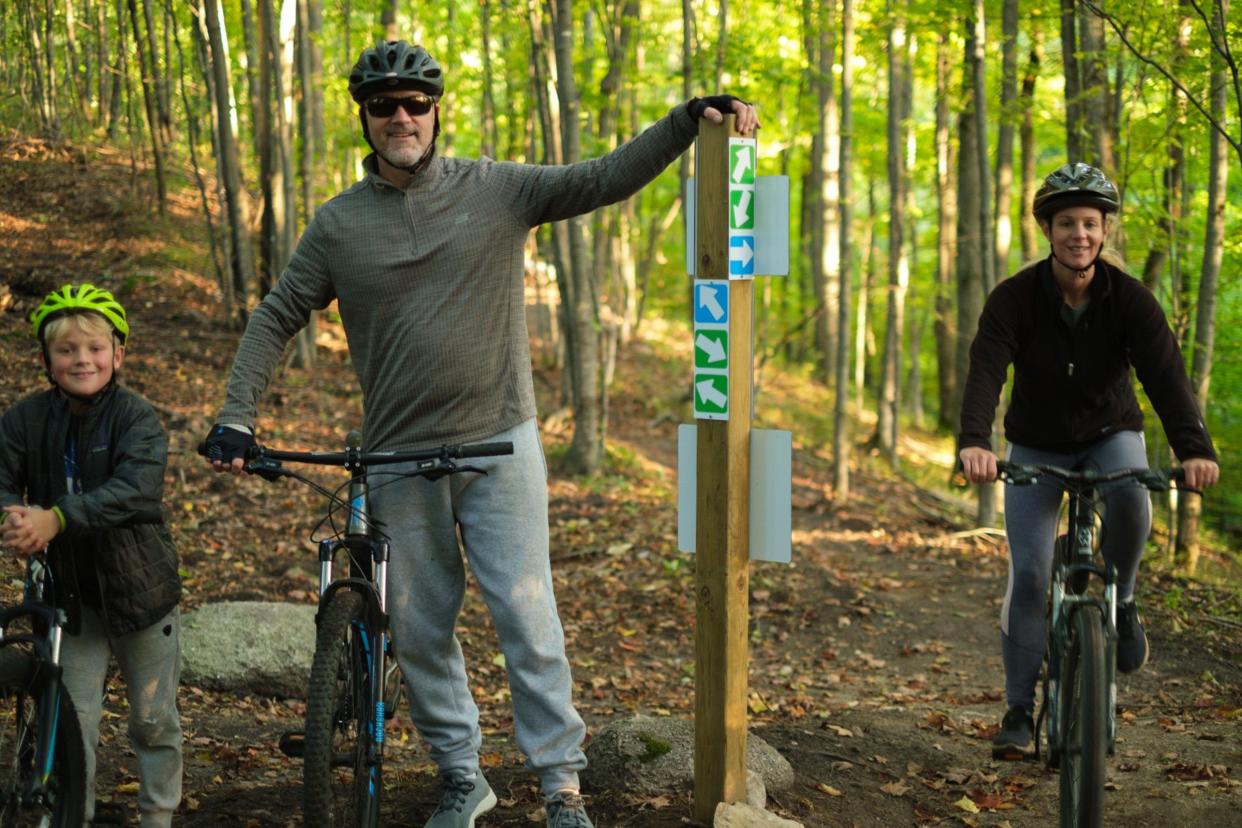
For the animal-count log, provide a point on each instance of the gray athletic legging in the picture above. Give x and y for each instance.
(1031, 527)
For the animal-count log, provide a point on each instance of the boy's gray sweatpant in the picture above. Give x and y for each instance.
(150, 662)
(1031, 527)
(503, 523)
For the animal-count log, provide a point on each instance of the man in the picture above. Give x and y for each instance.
(425, 258)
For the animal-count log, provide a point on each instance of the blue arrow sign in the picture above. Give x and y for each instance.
(711, 302)
(742, 255)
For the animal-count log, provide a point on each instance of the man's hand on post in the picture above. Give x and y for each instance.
(715, 107)
(226, 447)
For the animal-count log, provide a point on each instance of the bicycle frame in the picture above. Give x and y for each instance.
(1072, 573)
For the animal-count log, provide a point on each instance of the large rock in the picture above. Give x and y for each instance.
(650, 756)
(741, 815)
(259, 647)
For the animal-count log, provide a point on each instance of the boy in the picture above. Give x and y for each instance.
(88, 458)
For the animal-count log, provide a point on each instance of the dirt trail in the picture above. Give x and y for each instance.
(875, 663)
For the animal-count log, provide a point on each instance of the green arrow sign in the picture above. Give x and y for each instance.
(711, 349)
(711, 396)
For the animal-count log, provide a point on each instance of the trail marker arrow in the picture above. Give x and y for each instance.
(708, 300)
(713, 347)
(709, 395)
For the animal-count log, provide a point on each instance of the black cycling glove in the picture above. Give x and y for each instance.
(721, 103)
(225, 443)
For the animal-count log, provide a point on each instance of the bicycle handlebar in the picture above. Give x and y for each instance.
(381, 458)
(1021, 474)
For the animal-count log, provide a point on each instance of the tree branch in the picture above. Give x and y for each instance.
(1111, 21)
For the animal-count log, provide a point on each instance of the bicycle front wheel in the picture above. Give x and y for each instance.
(1084, 718)
(51, 795)
(341, 784)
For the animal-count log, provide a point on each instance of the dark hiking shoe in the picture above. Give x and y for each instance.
(462, 801)
(1016, 738)
(1131, 640)
(567, 810)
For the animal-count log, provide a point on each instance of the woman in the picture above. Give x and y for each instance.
(1073, 325)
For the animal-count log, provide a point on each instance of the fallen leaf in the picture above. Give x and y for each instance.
(828, 789)
(897, 788)
(966, 804)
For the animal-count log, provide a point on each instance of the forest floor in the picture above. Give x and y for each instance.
(874, 660)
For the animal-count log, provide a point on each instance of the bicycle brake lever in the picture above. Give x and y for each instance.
(266, 468)
(447, 467)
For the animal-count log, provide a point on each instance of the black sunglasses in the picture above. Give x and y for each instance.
(384, 107)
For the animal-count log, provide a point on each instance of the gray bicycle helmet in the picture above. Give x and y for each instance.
(1075, 185)
(395, 65)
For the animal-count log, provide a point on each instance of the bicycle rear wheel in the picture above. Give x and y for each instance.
(341, 786)
(1083, 710)
(61, 801)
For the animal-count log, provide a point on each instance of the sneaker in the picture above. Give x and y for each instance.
(1131, 640)
(1016, 738)
(462, 801)
(567, 810)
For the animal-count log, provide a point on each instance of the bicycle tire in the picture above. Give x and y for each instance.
(22, 683)
(338, 787)
(1083, 709)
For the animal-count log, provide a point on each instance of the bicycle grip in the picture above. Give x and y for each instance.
(485, 450)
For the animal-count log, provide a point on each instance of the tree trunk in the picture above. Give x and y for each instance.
(971, 251)
(1075, 143)
(1168, 224)
(946, 243)
(889, 403)
(1189, 506)
(191, 120)
(586, 451)
(1004, 136)
(241, 264)
(148, 98)
(487, 138)
(1030, 229)
(840, 411)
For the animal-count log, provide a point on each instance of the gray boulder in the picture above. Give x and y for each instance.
(260, 647)
(742, 815)
(650, 756)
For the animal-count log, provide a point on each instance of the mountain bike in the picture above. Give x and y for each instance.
(354, 681)
(42, 759)
(1080, 669)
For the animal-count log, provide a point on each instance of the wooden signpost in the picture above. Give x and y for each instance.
(723, 254)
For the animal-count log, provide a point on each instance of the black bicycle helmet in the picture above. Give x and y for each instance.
(395, 65)
(1075, 185)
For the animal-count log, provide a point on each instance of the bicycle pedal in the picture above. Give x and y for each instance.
(293, 744)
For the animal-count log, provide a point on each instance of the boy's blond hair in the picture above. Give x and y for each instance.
(91, 324)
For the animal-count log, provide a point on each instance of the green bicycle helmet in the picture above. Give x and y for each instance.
(84, 298)
(395, 65)
(1075, 185)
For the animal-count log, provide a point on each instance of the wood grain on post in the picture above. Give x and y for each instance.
(722, 573)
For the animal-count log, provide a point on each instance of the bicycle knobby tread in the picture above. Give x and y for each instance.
(344, 607)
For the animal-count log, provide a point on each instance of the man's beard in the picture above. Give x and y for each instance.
(404, 157)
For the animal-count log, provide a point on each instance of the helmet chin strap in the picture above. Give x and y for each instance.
(1081, 273)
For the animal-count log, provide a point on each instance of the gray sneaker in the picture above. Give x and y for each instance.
(462, 801)
(567, 810)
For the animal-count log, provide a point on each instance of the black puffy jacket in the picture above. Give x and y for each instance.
(117, 522)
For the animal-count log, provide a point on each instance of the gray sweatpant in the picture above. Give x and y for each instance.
(502, 521)
(1031, 527)
(150, 662)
